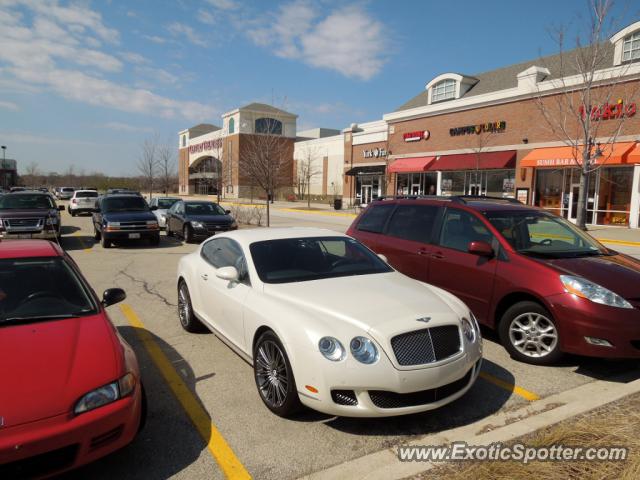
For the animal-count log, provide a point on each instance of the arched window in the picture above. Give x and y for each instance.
(444, 90)
(232, 125)
(268, 125)
(631, 47)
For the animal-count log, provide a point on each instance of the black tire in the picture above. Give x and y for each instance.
(104, 242)
(169, 232)
(187, 318)
(96, 234)
(530, 334)
(72, 213)
(143, 409)
(274, 376)
(187, 233)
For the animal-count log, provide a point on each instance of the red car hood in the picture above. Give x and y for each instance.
(48, 366)
(618, 273)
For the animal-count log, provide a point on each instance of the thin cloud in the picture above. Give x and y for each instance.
(224, 4)
(178, 29)
(347, 40)
(125, 127)
(155, 39)
(206, 17)
(9, 106)
(134, 58)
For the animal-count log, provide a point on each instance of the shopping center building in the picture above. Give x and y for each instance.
(483, 134)
(213, 159)
(486, 134)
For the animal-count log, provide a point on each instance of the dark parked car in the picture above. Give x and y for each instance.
(124, 217)
(545, 285)
(29, 215)
(198, 219)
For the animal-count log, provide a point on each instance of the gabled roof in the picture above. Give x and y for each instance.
(264, 108)
(202, 129)
(507, 77)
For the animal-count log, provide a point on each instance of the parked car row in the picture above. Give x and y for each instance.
(383, 321)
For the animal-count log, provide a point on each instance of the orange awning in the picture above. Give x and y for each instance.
(566, 156)
(634, 155)
(415, 164)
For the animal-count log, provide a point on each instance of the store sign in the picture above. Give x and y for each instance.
(491, 127)
(374, 153)
(416, 136)
(206, 145)
(609, 111)
(556, 162)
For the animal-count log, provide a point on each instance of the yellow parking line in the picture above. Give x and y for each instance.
(220, 450)
(619, 242)
(526, 394)
(85, 248)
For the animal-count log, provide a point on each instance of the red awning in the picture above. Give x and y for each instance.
(414, 164)
(471, 161)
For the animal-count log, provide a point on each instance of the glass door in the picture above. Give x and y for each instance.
(365, 194)
(474, 189)
(573, 201)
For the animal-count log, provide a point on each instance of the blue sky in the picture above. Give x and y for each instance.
(83, 83)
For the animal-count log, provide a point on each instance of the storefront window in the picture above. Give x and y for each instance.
(548, 191)
(614, 195)
(499, 183)
(417, 183)
(453, 183)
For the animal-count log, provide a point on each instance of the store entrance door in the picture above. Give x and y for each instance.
(474, 189)
(365, 194)
(574, 195)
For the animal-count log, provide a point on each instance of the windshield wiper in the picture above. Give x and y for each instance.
(37, 318)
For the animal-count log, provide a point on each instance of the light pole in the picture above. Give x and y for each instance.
(4, 163)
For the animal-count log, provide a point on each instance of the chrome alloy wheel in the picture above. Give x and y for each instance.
(533, 335)
(184, 307)
(272, 374)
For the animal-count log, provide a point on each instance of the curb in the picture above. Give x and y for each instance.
(499, 427)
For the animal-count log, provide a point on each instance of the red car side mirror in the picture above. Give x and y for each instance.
(482, 249)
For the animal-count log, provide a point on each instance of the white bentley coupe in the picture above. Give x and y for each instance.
(327, 323)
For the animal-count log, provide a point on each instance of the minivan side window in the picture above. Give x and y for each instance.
(413, 222)
(460, 228)
(374, 218)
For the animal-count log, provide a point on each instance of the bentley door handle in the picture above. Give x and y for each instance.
(204, 276)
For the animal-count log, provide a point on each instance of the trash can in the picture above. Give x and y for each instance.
(337, 203)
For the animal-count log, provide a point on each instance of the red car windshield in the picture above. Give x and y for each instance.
(542, 234)
(34, 289)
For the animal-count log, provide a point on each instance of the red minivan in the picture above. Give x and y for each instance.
(545, 285)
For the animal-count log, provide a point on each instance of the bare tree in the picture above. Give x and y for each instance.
(32, 174)
(306, 169)
(166, 167)
(583, 95)
(266, 158)
(148, 162)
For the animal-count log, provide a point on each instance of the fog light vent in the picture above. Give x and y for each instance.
(344, 397)
(600, 342)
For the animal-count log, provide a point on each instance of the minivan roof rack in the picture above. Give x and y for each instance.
(452, 198)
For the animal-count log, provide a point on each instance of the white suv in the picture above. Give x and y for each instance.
(82, 201)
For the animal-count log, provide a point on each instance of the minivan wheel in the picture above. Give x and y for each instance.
(529, 333)
(274, 376)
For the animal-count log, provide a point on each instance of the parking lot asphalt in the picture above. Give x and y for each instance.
(205, 417)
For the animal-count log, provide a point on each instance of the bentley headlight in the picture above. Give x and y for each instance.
(468, 330)
(331, 348)
(364, 350)
(592, 291)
